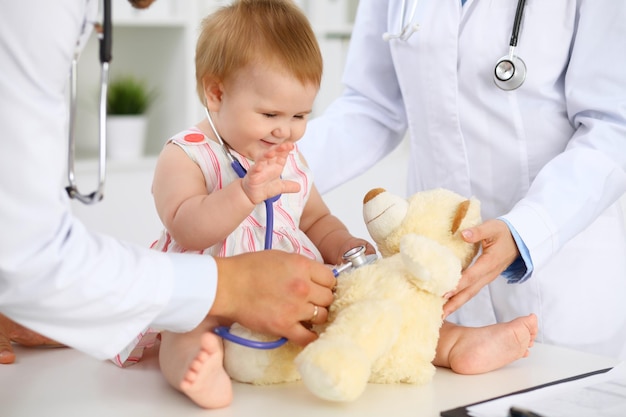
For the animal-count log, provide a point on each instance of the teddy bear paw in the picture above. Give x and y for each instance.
(433, 266)
(337, 373)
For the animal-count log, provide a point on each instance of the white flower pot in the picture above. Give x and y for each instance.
(126, 136)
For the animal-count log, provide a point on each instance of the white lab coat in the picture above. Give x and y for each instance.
(88, 291)
(550, 156)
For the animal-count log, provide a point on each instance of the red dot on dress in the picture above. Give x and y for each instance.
(194, 137)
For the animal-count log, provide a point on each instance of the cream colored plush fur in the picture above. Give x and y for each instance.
(384, 323)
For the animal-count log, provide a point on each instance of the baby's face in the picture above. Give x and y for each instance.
(262, 107)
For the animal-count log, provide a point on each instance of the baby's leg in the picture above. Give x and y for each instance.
(475, 350)
(192, 363)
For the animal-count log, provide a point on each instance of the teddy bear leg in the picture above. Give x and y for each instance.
(337, 366)
(259, 366)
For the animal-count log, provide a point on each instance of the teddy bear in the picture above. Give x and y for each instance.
(383, 326)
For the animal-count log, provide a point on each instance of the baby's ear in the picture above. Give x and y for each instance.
(213, 90)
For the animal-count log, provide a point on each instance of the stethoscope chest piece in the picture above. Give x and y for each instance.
(510, 72)
(354, 258)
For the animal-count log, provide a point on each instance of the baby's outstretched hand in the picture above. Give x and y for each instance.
(263, 179)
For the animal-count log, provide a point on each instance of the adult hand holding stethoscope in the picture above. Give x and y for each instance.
(353, 259)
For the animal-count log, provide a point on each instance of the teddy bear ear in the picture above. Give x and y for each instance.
(459, 215)
(383, 212)
(467, 215)
(372, 193)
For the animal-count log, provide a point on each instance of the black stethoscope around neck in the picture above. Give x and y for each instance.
(510, 70)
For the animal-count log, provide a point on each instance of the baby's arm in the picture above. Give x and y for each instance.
(197, 219)
(327, 232)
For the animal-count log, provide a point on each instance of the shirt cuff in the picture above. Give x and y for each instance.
(522, 268)
(193, 294)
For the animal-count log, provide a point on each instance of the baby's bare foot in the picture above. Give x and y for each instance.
(483, 349)
(206, 381)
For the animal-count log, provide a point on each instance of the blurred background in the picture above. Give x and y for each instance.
(156, 46)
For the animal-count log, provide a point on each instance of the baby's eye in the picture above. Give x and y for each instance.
(269, 115)
(299, 116)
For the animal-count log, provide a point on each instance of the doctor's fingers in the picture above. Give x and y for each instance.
(322, 275)
(301, 335)
(495, 238)
(487, 267)
(17, 333)
(6, 350)
(472, 281)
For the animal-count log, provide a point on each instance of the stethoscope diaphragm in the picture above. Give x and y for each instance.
(509, 72)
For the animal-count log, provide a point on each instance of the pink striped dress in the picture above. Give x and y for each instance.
(249, 236)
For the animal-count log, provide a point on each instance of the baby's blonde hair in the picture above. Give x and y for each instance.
(273, 32)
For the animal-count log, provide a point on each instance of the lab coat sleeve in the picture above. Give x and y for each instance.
(82, 289)
(368, 120)
(574, 188)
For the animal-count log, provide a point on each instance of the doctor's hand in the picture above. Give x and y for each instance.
(263, 181)
(10, 331)
(274, 292)
(498, 252)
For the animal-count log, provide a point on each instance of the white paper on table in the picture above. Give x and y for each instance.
(600, 395)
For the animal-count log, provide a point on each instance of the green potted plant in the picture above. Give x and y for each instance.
(128, 100)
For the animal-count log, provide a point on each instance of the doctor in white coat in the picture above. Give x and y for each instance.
(547, 159)
(87, 290)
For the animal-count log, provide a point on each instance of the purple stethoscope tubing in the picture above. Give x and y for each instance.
(224, 331)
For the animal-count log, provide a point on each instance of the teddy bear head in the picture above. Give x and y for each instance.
(437, 214)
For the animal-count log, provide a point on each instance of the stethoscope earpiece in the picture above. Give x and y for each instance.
(509, 72)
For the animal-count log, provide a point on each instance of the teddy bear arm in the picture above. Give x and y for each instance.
(433, 267)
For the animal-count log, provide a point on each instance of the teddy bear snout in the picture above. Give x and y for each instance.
(384, 213)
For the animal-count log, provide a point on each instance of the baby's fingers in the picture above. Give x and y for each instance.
(290, 187)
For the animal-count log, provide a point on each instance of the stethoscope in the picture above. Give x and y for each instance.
(106, 40)
(510, 70)
(224, 331)
(241, 172)
(353, 259)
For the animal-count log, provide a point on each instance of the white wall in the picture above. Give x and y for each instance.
(346, 201)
